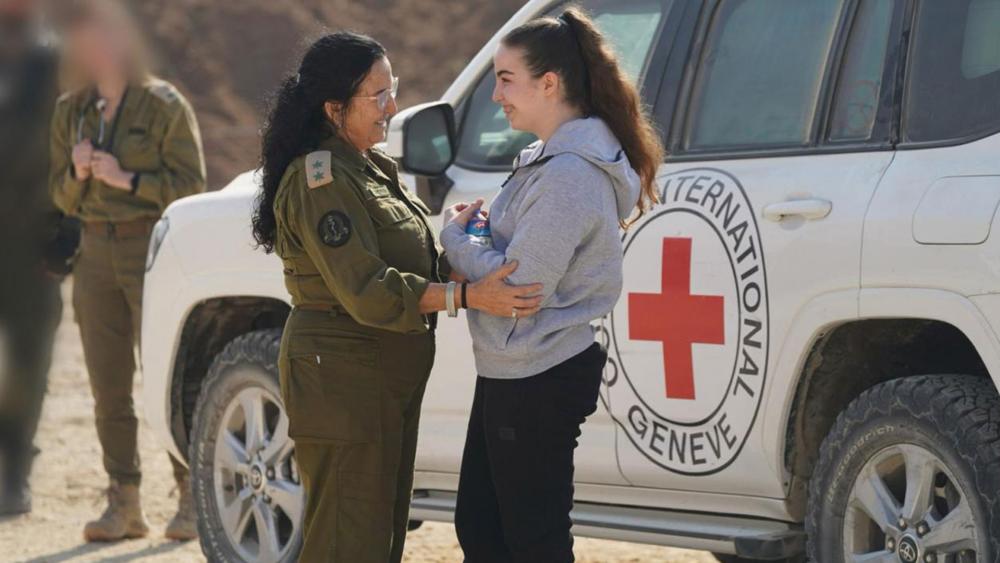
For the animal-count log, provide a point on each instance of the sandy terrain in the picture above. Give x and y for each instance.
(68, 485)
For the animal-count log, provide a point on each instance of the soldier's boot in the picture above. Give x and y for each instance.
(122, 519)
(184, 525)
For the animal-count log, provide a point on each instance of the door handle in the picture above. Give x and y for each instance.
(807, 208)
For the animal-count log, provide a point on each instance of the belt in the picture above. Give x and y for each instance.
(120, 229)
(322, 308)
(339, 311)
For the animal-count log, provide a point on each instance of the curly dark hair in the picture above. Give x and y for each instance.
(332, 70)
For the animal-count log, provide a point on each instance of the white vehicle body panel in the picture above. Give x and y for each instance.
(207, 254)
(803, 260)
(933, 262)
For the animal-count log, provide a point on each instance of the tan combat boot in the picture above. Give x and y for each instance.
(184, 525)
(122, 519)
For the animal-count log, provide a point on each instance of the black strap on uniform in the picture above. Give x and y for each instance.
(110, 145)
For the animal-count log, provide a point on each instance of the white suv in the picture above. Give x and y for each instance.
(805, 356)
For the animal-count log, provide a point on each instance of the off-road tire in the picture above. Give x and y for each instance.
(954, 417)
(249, 360)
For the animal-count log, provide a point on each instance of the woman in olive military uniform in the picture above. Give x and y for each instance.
(364, 269)
(124, 145)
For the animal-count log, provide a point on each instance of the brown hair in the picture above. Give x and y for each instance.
(77, 13)
(573, 47)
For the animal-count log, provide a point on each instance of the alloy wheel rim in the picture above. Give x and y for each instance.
(258, 490)
(907, 507)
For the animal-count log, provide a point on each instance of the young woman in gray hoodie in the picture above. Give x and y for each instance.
(559, 217)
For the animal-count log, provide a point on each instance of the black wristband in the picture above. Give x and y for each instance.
(465, 304)
(135, 182)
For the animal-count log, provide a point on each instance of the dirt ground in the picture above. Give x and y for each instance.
(68, 484)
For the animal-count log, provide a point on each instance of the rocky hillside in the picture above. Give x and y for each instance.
(228, 55)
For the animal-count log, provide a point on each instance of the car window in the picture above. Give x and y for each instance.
(487, 141)
(860, 84)
(761, 72)
(953, 80)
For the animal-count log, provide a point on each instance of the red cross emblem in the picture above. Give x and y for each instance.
(677, 318)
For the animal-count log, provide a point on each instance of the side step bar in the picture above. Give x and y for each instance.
(746, 537)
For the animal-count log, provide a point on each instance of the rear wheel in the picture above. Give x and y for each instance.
(245, 482)
(910, 473)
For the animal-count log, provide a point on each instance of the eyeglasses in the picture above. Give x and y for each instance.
(383, 97)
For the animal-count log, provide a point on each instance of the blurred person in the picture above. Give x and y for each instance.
(366, 277)
(124, 145)
(37, 242)
(558, 215)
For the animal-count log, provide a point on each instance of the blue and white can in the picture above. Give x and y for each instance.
(479, 229)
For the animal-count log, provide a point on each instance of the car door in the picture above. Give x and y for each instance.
(486, 150)
(932, 219)
(779, 137)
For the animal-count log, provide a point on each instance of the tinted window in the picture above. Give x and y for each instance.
(953, 84)
(759, 78)
(860, 84)
(487, 139)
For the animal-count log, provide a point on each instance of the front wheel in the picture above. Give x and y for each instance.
(910, 473)
(243, 475)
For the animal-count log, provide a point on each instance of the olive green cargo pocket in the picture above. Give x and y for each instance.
(333, 394)
(138, 151)
(387, 212)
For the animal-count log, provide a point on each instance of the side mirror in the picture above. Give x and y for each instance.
(422, 138)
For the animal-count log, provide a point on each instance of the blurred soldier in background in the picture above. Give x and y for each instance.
(37, 242)
(124, 146)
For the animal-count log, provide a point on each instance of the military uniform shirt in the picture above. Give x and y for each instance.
(353, 238)
(155, 136)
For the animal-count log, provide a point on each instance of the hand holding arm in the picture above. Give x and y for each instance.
(491, 295)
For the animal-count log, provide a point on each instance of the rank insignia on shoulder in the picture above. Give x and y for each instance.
(165, 92)
(318, 171)
(334, 229)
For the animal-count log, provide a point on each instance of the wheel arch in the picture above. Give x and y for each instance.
(207, 328)
(898, 333)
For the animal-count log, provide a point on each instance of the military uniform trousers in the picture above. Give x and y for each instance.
(353, 396)
(107, 302)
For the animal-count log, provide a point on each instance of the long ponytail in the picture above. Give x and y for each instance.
(594, 82)
(331, 70)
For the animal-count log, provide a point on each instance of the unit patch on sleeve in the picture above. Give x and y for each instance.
(335, 229)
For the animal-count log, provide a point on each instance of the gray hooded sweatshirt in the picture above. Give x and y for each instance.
(557, 216)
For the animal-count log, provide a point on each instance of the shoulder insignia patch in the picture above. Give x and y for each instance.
(317, 169)
(334, 229)
(164, 91)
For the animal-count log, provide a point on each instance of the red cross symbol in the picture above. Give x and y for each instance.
(676, 318)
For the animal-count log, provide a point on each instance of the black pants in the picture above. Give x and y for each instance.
(30, 312)
(516, 488)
